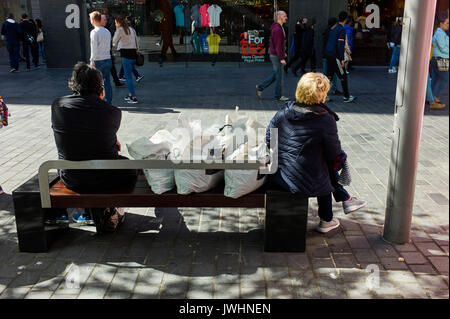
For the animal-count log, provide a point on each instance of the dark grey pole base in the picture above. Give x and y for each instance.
(285, 222)
(32, 234)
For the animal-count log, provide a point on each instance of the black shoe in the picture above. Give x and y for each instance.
(337, 92)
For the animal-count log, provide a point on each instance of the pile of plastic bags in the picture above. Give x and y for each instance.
(238, 138)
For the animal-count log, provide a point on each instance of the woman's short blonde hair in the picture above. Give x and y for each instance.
(312, 88)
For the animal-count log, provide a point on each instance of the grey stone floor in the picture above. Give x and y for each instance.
(217, 253)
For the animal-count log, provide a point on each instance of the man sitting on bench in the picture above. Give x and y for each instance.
(85, 128)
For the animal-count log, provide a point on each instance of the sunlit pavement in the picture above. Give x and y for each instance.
(217, 253)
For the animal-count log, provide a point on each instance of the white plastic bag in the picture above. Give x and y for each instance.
(241, 182)
(158, 146)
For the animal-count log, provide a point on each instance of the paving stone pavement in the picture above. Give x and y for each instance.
(217, 253)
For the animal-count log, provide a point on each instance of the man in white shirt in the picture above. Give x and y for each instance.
(101, 52)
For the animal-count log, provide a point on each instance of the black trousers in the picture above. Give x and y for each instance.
(294, 59)
(305, 58)
(334, 67)
(114, 71)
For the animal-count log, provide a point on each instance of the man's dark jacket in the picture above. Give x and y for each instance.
(12, 32)
(29, 28)
(335, 47)
(85, 128)
(308, 143)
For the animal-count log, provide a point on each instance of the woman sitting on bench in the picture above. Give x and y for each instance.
(308, 146)
(85, 128)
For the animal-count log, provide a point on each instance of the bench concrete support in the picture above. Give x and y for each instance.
(285, 222)
(33, 235)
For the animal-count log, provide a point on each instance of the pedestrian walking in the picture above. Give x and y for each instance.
(309, 147)
(126, 41)
(307, 50)
(101, 52)
(439, 62)
(350, 30)
(335, 55)
(395, 41)
(105, 23)
(277, 57)
(29, 41)
(332, 23)
(12, 33)
(297, 38)
(40, 40)
(3, 122)
(166, 28)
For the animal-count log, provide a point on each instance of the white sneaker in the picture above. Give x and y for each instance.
(283, 99)
(353, 204)
(325, 227)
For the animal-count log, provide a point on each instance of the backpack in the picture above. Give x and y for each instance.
(3, 113)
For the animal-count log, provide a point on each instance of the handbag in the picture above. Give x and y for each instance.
(40, 36)
(139, 59)
(442, 64)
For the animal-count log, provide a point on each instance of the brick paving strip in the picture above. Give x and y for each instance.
(222, 256)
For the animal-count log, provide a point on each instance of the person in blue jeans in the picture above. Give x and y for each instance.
(309, 148)
(126, 41)
(278, 56)
(395, 41)
(12, 33)
(439, 75)
(101, 52)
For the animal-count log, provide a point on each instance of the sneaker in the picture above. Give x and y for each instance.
(122, 79)
(258, 93)
(139, 78)
(127, 98)
(283, 99)
(436, 106)
(83, 218)
(353, 204)
(328, 99)
(13, 70)
(132, 100)
(325, 227)
(349, 99)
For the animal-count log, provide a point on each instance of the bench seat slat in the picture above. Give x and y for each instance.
(143, 196)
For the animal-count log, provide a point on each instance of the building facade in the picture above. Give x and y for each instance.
(211, 31)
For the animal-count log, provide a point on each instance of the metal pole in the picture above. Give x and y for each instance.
(409, 107)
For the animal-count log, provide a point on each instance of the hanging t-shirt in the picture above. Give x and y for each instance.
(196, 17)
(214, 12)
(204, 42)
(213, 43)
(187, 17)
(205, 15)
(179, 15)
(196, 45)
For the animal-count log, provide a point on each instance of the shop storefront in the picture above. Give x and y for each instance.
(203, 30)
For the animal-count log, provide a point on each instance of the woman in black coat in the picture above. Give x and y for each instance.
(308, 147)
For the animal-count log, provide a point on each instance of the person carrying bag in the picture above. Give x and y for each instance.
(439, 62)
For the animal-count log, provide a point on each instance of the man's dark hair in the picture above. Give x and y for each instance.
(10, 16)
(343, 16)
(24, 16)
(442, 16)
(332, 21)
(86, 80)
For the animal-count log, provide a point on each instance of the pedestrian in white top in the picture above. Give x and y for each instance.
(101, 52)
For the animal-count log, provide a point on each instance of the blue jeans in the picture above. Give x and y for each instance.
(334, 80)
(439, 79)
(14, 54)
(430, 97)
(395, 56)
(277, 76)
(135, 72)
(42, 49)
(128, 65)
(34, 53)
(105, 67)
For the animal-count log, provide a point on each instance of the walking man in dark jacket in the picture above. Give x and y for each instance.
(12, 33)
(295, 60)
(308, 52)
(334, 53)
(277, 57)
(29, 32)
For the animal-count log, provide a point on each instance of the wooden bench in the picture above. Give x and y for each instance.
(285, 213)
